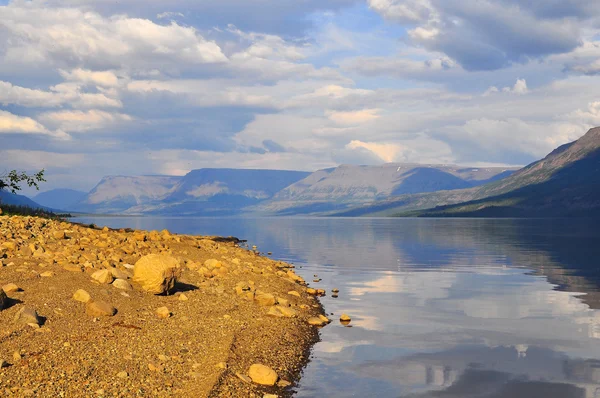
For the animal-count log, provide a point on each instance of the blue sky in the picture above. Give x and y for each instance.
(93, 88)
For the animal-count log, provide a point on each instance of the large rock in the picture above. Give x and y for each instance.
(264, 375)
(156, 273)
(3, 300)
(29, 316)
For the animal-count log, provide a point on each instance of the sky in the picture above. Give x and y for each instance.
(90, 88)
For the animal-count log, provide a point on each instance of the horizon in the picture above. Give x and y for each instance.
(91, 89)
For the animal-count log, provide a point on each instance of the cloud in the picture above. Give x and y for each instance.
(81, 121)
(386, 152)
(64, 94)
(485, 34)
(14, 124)
(10, 123)
(99, 78)
(282, 16)
(519, 88)
(67, 37)
(400, 66)
(353, 117)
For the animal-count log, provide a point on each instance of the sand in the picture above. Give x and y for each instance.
(202, 348)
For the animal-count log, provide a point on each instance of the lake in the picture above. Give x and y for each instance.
(461, 308)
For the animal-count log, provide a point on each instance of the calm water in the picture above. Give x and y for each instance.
(440, 308)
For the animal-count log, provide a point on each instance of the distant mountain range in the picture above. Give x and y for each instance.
(565, 183)
(17, 200)
(59, 198)
(272, 192)
(348, 186)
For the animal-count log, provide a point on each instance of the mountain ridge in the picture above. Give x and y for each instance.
(564, 183)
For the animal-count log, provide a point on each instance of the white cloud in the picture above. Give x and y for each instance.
(14, 124)
(99, 78)
(353, 117)
(408, 11)
(519, 88)
(62, 94)
(70, 36)
(80, 121)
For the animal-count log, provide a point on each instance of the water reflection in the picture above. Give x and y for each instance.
(441, 308)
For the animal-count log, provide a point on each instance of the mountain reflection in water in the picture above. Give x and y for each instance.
(468, 308)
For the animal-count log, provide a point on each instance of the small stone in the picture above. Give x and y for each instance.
(335, 290)
(154, 368)
(261, 374)
(100, 308)
(103, 276)
(11, 288)
(163, 312)
(123, 375)
(265, 300)
(324, 318)
(183, 297)
(222, 365)
(118, 274)
(122, 284)
(82, 296)
(58, 234)
(315, 321)
(345, 318)
(283, 302)
(17, 356)
(163, 358)
(270, 396)
(311, 291)
(283, 383)
(28, 315)
(47, 274)
(243, 377)
(294, 293)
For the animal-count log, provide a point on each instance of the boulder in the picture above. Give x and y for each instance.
(3, 300)
(99, 308)
(28, 315)
(263, 375)
(11, 288)
(156, 273)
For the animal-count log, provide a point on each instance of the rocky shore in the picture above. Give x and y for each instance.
(88, 312)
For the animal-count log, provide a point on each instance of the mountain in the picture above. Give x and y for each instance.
(348, 186)
(117, 194)
(17, 200)
(565, 183)
(200, 192)
(220, 191)
(63, 199)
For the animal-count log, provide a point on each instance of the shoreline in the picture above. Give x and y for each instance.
(231, 308)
